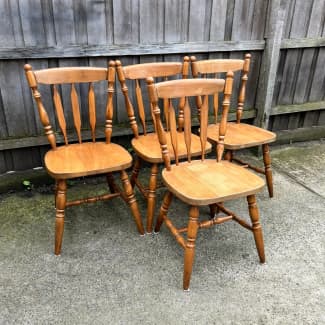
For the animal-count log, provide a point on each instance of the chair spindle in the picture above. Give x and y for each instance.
(92, 111)
(42, 112)
(173, 131)
(59, 112)
(187, 129)
(225, 110)
(76, 111)
(242, 91)
(139, 98)
(109, 105)
(204, 124)
(128, 104)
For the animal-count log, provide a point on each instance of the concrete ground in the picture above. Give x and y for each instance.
(108, 274)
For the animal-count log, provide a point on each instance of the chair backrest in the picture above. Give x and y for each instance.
(137, 72)
(205, 68)
(184, 89)
(69, 80)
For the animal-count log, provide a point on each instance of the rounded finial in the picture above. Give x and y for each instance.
(27, 67)
(230, 74)
(150, 80)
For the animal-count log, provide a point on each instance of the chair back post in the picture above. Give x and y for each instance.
(128, 104)
(242, 91)
(42, 112)
(159, 127)
(224, 116)
(109, 106)
(195, 74)
(180, 122)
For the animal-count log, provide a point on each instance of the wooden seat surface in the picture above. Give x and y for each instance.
(206, 182)
(148, 147)
(241, 135)
(88, 158)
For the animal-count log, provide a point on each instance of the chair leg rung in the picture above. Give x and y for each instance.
(215, 221)
(240, 221)
(246, 165)
(92, 199)
(175, 232)
(142, 189)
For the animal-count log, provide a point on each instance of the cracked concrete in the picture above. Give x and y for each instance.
(108, 274)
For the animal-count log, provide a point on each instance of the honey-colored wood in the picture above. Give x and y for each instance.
(82, 158)
(204, 123)
(187, 129)
(193, 227)
(163, 210)
(69, 75)
(268, 170)
(30, 76)
(128, 190)
(203, 181)
(109, 105)
(76, 111)
(60, 204)
(146, 145)
(239, 135)
(173, 132)
(92, 111)
(257, 228)
(151, 195)
(59, 112)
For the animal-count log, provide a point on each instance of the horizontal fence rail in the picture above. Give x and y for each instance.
(285, 90)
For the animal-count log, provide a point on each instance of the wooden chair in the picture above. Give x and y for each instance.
(82, 158)
(145, 142)
(204, 181)
(239, 135)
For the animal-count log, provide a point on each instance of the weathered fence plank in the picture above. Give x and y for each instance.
(286, 82)
(270, 63)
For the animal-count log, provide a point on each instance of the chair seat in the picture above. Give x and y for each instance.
(88, 158)
(148, 148)
(241, 135)
(207, 182)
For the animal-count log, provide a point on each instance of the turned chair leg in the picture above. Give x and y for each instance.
(193, 227)
(257, 228)
(135, 171)
(111, 183)
(163, 210)
(213, 210)
(268, 170)
(132, 201)
(151, 198)
(55, 191)
(60, 203)
(229, 155)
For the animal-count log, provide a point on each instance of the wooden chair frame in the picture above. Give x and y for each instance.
(144, 141)
(107, 156)
(183, 180)
(256, 136)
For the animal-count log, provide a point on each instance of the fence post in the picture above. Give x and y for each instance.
(270, 61)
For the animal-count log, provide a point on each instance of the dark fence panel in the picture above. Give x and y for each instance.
(51, 33)
(301, 74)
